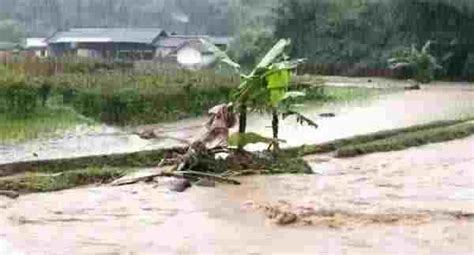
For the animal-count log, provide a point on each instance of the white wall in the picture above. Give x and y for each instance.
(189, 57)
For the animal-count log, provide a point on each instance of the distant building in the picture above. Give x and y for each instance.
(190, 51)
(106, 43)
(143, 45)
(7, 49)
(36, 47)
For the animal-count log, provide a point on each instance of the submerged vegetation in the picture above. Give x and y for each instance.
(407, 140)
(419, 64)
(36, 105)
(396, 139)
(46, 121)
(40, 182)
(67, 173)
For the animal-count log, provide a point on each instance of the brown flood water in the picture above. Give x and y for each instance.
(436, 180)
(388, 111)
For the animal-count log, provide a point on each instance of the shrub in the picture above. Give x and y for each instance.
(18, 95)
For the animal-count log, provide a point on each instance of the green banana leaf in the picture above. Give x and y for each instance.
(277, 84)
(220, 55)
(274, 53)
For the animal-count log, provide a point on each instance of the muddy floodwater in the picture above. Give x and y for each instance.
(435, 181)
(393, 110)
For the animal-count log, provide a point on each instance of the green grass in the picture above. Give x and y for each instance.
(363, 139)
(407, 140)
(38, 182)
(45, 121)
(132, 160)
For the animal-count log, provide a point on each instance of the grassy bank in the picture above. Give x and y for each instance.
(62, 174)
(36, 182)
(33, 106)
(131, 160)
(56, 175)
(391, 140)
(117, 98)
(406, 140)
(363, 139)
(46, 121)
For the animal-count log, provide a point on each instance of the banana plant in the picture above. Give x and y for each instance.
(266, 89)
(421, 61)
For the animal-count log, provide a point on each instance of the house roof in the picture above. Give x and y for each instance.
(196, 44)
(124, 35)
(174, 41)
(177, 41)
(8, 45)
(35, 43)
(223, 40)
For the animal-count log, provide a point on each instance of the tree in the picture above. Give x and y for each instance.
(266, 89)
(250, 45)
(367, 32)
(10, 31)
(421, 62)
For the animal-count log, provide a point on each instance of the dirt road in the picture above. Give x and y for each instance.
(435, 181)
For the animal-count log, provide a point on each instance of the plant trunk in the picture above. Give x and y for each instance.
(242, 125)
(275, 123)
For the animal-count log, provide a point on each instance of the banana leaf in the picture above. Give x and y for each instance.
(274, 53)
(220, 55)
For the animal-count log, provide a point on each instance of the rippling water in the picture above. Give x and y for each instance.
(388, 111)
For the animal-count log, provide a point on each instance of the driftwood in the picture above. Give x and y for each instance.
(143, 175)
(218, 178)
(9, 193)
(147, 175)
(200, 154)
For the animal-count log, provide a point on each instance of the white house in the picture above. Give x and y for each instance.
(37, 46)
(194, 54)
(190, 51)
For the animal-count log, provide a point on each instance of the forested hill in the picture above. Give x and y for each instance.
(327, 32)
(368, 32)
(42, 17)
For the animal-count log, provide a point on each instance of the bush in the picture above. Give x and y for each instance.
(18, 95)
(141, 99)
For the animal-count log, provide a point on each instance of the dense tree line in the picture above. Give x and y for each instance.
(327, 32)
(43, 17)
(368, 32)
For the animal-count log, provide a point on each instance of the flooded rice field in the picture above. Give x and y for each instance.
(417, 201)
(388, 111)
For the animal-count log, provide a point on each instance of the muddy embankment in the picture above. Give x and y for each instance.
(417, 201)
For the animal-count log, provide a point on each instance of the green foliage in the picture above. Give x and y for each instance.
(377, 136)
(34, 182)
(255, 91)
(141, 99)
(17, 98)
(248, 138)
(265, 89)
(250, 45)
(421, 62)
(46, 121)
(10, 31)
(407, 140)
(343, 35)
(117, 98)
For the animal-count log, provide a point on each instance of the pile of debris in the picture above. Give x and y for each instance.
(208, 159)
(284, 213)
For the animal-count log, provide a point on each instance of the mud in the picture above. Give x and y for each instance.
(418, 201)
(284, 213)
